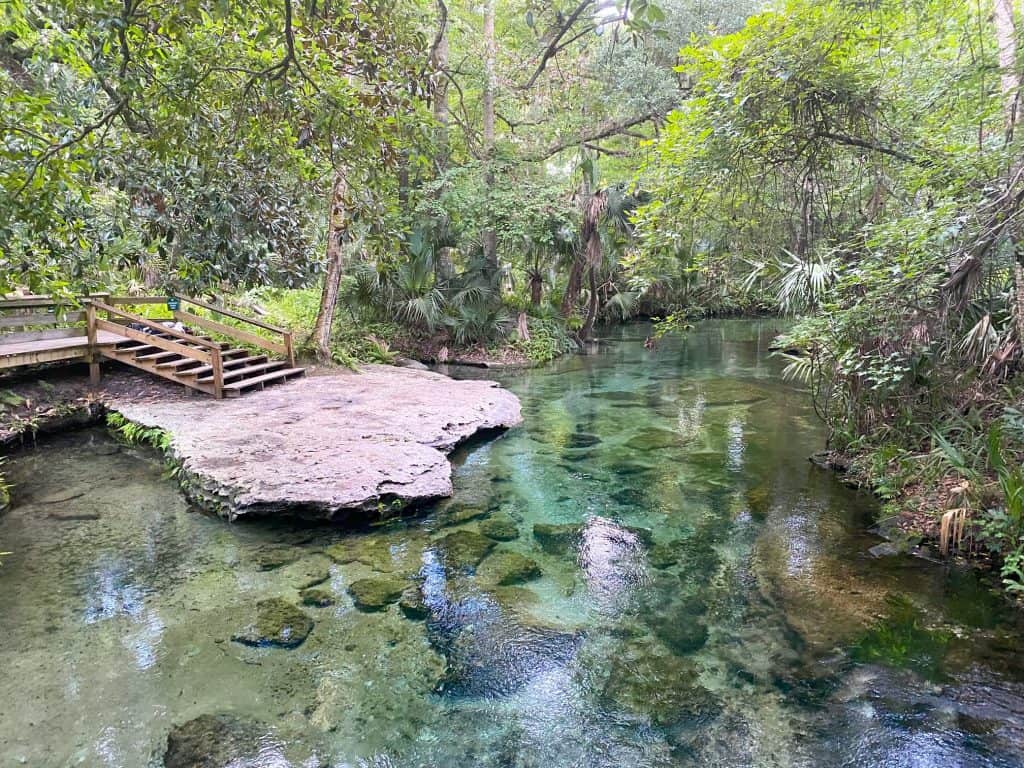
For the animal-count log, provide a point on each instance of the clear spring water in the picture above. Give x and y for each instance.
(708, 601)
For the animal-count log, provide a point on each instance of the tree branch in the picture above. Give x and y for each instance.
(602, 131)
(553, 47)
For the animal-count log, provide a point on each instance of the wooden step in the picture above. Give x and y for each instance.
(158, 356)
(234, 373)
(234, 389)
(131, 347)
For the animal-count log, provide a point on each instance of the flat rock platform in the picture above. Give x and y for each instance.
(345, 447)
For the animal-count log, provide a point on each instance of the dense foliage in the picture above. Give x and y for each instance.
(856, 165)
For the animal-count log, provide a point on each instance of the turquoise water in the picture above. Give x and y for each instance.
(648, 572)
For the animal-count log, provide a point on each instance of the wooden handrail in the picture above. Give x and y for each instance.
(153, 324)
(234, 315)
(227, 330)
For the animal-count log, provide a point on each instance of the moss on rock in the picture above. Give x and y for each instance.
(508, 568)
(557, 539)
(500, 527)
(464, 549)
(318, 597)
(374, 594)
(278, 623)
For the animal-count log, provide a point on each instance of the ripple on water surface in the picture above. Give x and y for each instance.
(648, 572)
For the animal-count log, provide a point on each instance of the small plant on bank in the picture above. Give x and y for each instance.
(547, 340)
(136, 434)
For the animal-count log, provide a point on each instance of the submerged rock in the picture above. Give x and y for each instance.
(308, 572)
(464, 549)
(557, 539)
(412, 604)
(664, 688)
(373, 594)
(275, 556)
(318, 597)
(500, 527)
(213, 741)
(278, 623)
(508, 568)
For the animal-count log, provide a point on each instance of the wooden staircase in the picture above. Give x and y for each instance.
(242, 370)
(199, 362)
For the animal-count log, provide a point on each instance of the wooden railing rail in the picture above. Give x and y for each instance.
(286, 347)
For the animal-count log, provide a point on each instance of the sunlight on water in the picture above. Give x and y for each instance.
(648, 572)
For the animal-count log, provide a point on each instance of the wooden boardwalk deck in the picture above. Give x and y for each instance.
(17, 353)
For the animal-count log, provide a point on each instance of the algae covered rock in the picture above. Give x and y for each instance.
(213, 741)
(275, 556)
(557, 539)
(278, 623)
(307, 572)
(464, 549)
(508, 568)
(318, 597)
(457, 514)
(411, 603)
(374, 594)
(500, 528)
(664, 688)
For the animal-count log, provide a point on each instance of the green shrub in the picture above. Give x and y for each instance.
(548, 340)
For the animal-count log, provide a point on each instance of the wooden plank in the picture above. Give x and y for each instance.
(235, 315)
(44, 356)
(238, 386)
(138, 300)
(234, 373)
(152, 340)
(18, 337)
(245, 337)
(41, 318)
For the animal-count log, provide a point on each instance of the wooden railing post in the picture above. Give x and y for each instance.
(289, 347)
(90, 331)
(217, 363)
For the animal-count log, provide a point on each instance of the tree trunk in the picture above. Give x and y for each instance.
(439, 65)
(1009, 77)
(536, 290)
(337, 233)
(587, 333)
(490, 236)
(572, 290)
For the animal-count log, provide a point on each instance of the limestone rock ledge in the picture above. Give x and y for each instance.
(345, 447)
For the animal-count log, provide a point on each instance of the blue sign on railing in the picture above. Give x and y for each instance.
(173, 303)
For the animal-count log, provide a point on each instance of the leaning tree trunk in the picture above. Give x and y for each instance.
(337, 232)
